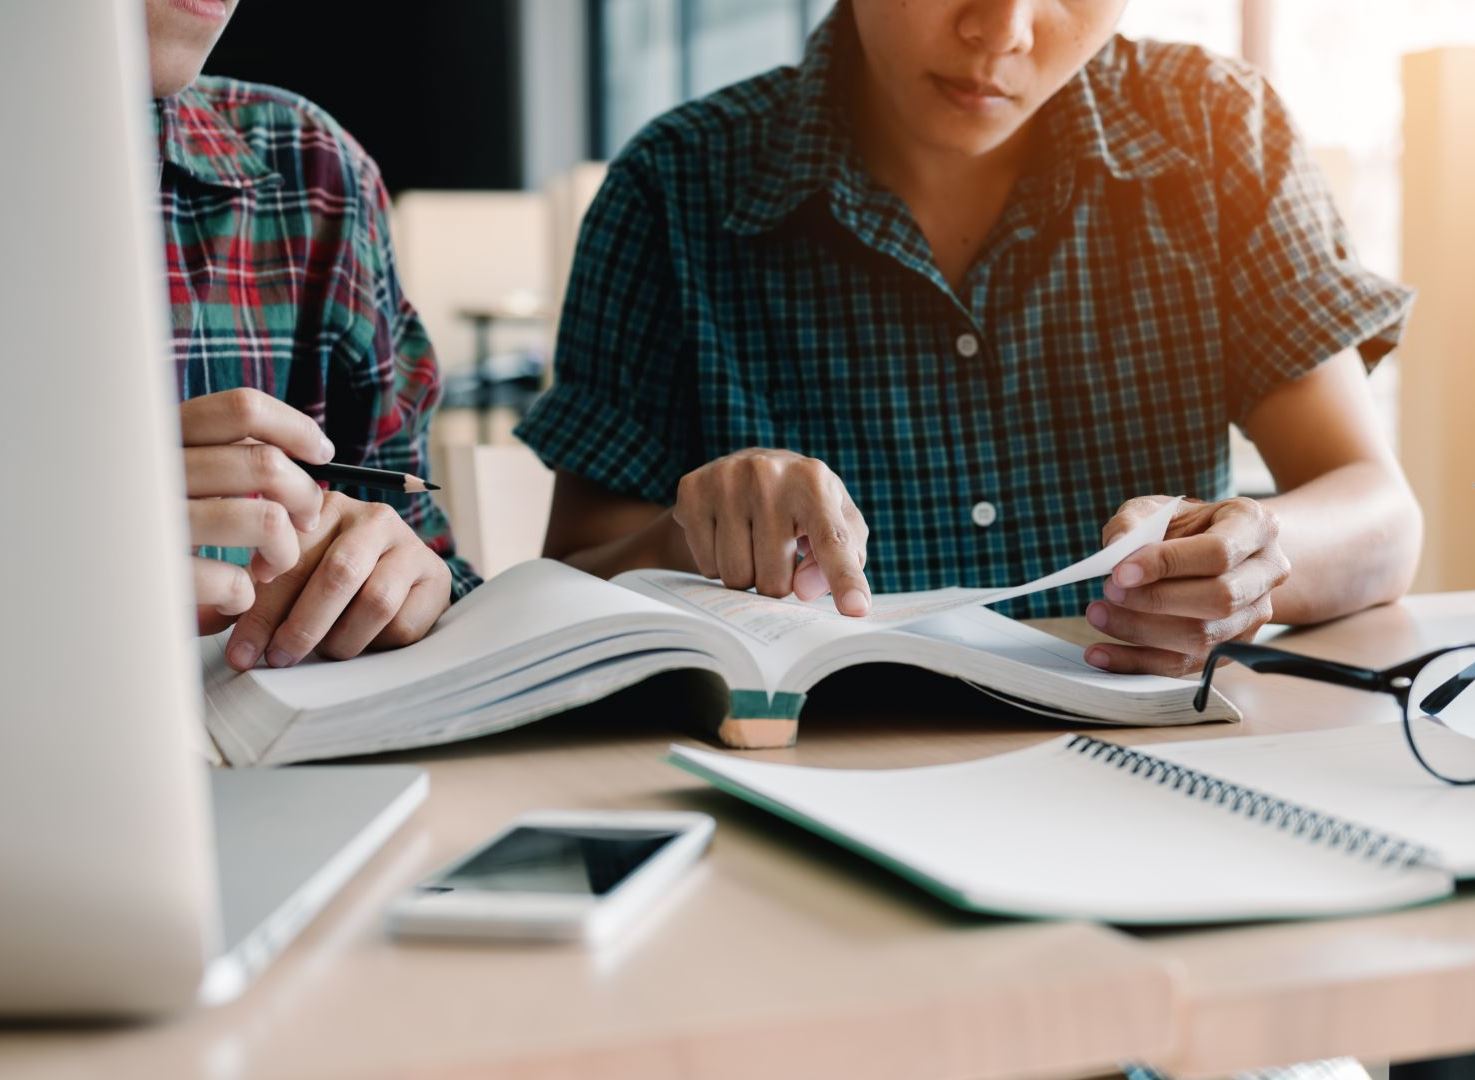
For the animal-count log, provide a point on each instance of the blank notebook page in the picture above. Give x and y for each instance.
(1053, 832)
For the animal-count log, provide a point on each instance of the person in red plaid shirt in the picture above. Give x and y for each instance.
(292, 340)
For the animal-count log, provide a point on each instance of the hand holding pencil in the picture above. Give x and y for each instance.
(252, 469)
(245, 492)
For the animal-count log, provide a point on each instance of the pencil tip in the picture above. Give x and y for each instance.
(431, 487)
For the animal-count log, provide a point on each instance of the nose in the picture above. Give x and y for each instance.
(998, 26)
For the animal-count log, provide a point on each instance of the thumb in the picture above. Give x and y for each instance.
(1130, 514)
(210, 622)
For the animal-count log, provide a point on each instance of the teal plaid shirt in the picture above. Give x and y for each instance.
(1170, 257)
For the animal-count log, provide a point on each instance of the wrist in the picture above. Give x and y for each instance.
(666, 545)
(659, 544)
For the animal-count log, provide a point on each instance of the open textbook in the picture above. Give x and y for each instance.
(542, 637)
(1207, 830)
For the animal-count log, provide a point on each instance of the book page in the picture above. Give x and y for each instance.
(762, 621)
(795, 627)
(899, 609)
(775, 633)
(533, 601)
(978, 628)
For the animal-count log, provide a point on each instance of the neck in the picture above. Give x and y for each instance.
(955, 198)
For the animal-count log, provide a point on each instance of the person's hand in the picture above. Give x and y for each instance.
(749, 516)
(238, 445)
(364, 580)
(1208, 581)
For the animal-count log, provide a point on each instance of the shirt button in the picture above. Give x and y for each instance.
(967, 346)
(985, 514)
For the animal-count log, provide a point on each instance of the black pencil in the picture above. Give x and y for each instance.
(358, 476)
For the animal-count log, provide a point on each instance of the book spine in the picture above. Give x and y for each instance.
(758, 721)
(757, 704)
(1314, 826)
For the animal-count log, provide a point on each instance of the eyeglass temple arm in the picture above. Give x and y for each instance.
(1268, 661)
(1442, 695)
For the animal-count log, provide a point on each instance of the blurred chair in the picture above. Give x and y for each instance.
(474, 250)
(502, 254)
(499, 498)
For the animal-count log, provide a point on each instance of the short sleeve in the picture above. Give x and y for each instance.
(620, 408)
(1295, 292)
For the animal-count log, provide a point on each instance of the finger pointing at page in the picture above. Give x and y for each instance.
(836, 561)
(747, 515)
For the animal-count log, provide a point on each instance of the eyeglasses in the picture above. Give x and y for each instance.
(1436, 692)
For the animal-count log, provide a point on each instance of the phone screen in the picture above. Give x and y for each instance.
(566, 861)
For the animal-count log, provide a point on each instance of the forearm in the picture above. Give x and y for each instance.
(1353, 537)
(659, 544)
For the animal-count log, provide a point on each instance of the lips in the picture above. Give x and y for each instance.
(215, 10)
(974, 88)
(978, 97)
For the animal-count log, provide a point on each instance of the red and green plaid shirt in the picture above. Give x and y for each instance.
(282, 278)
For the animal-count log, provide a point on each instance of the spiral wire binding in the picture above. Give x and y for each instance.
(1316, 827)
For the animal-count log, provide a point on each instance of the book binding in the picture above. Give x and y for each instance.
(757, 721)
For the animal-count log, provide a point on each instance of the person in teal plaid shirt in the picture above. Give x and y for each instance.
(292, 340)
(962, 296)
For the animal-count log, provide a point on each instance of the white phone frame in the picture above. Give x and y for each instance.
(524, 916)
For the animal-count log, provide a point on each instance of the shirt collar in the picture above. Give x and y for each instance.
(1094, 119)
(1089, 120)
(809, 140)
(196, 139)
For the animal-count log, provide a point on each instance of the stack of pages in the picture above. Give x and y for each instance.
(542, 637)
(1213, 830)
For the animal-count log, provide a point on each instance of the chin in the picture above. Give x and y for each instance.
(170, 87)
(974, 143)
(171, 74)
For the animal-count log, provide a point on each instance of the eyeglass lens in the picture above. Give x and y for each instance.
(1441, 714)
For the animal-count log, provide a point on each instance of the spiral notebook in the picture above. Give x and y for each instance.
(1079, 827)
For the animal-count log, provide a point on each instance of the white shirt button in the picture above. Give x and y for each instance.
(985, 514)
(967, 346)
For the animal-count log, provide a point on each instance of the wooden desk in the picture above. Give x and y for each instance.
(782, 957)
(786, 957)
(1390, 987)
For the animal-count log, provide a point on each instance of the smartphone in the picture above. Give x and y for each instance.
(557, 875)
